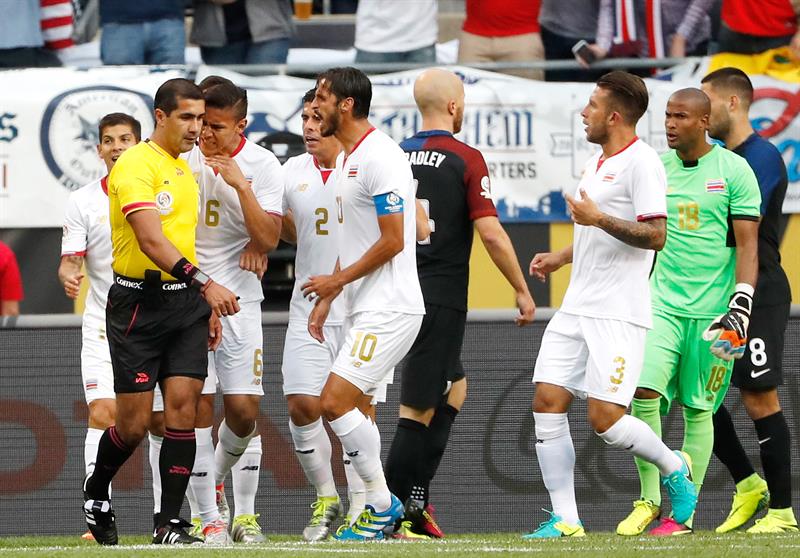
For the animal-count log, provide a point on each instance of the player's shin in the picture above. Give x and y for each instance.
(154, 455)
(556, 456)
(229, 449)
(698, 441)
(405, 462)
(647, 410)
(356, 491)
(175, 465)
(202, 480)
(245, 475)
(112, 453)
(313, 449)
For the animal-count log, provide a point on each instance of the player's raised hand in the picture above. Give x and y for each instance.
(316, 320)
(321, 286)
(253, 260)
(583, 211)
(214, 332)
(527, 308)
(72, 285)
(222, 301)
(229, 170)
(543, 264)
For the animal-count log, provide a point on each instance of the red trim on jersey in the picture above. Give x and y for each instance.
(104, 184)
(131, 207)
(358, 143)
(650, 216)
(239, 147)
(602, 160)
(323, 172)
(81, 254)
(274, 213)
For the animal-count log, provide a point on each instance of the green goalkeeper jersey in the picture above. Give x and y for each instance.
(694, 274)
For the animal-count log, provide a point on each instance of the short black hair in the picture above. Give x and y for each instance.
(628, 94)
(211, 81)
(732, 80)
(349, 82)
(172, 90)
(119, 119)
(309, 96)
(227, 96)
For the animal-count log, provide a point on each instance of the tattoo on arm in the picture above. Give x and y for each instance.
(648, 235)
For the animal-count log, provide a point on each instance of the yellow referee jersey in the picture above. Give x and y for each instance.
(146, 177)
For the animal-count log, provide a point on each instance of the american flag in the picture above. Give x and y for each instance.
(57, 22)
(352, 172)
(715, 185)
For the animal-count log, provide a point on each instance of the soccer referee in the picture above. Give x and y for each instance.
(157, 318)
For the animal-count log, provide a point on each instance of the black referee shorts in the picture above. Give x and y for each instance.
(155, 330)
(761, 366)
(434, 358)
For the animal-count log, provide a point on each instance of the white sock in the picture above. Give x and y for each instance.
(362, 443)
(194, 509)
(633, 434)
(154, 453)
(556, 456)
(245, 478)
(313, 449)
(93, 436)
(202, 479)
(230, 448)
(356, 491)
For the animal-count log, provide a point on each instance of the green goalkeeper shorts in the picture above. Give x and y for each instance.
(678, 364)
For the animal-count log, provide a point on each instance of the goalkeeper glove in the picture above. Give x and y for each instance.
(728, 333)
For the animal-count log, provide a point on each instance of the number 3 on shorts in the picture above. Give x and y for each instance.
(364, 346)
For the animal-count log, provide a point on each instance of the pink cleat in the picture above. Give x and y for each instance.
(669, 527)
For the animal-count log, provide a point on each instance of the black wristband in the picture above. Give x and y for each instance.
(188, 273)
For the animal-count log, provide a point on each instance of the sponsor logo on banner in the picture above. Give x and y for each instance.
(68, 135)
(8, 131)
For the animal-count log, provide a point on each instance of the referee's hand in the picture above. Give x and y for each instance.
(221, 300)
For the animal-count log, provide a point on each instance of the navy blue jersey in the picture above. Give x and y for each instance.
(453, 185)
(770, 170)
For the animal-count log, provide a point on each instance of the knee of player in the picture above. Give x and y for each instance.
(132, 433)
(602, 417)
(458, 394)
(760, 404)
(331, 407)
(302, 411)
(644, 393)
(102, 413)
(156, 426)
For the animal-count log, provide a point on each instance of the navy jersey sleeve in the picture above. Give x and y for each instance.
(479, 191)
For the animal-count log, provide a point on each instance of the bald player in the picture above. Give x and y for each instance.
(702, 293)
(453, 187)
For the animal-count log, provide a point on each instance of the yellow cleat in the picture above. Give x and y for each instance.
(405, 533)
(776, 521)
(745, 505)
(644, 512)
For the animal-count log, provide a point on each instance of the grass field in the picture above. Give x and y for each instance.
(705, 544)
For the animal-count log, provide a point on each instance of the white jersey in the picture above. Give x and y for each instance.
(312, 200)
(87, 233)
(378, 166)
(610, 278)
(221, 231)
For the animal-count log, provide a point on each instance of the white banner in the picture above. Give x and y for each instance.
(529, 132)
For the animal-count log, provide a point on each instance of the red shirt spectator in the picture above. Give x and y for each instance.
(502, 19)
(10, 282)
(765, 18)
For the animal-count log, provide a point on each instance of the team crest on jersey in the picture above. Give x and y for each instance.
(486, 188)
(302, 187)
(352, 172)
(715, 185)
(68, 135)
(164, 203)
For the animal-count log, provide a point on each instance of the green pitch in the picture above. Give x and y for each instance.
(704, 544)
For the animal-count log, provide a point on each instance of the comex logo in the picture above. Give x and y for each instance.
(392, 199)
(68, 135)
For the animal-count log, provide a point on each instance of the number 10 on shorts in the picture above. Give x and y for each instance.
(364, 346)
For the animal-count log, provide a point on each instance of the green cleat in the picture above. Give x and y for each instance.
(197, 528)
(245, 529)
(326, 510)
(745, 505)
(644, 512)
(776, 521)
(555, 528)
(406, 533)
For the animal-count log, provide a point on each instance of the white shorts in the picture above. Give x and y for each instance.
(306, 361)
(209, 388)
(595, 357)
(374, 343)
(239, 360)
(96, 371)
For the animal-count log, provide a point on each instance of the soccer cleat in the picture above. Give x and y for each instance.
(406, 533)
(216, 533)
(745, 506)
(326, 510)
(371, 524)
(245, 529)
(87, 536)
(430, 526)
(669, 527)
(346, 522)
(174, 532)
(644, 512)
(421, 520)
(197, 528)
(222, 504)
(776, 521)
(554, 528)
(681, 489)
(99, 518)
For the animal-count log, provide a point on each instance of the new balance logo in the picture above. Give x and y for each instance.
(352, 453)
(200, 474)
(249, 468)
(179, 470)
(304, 452)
